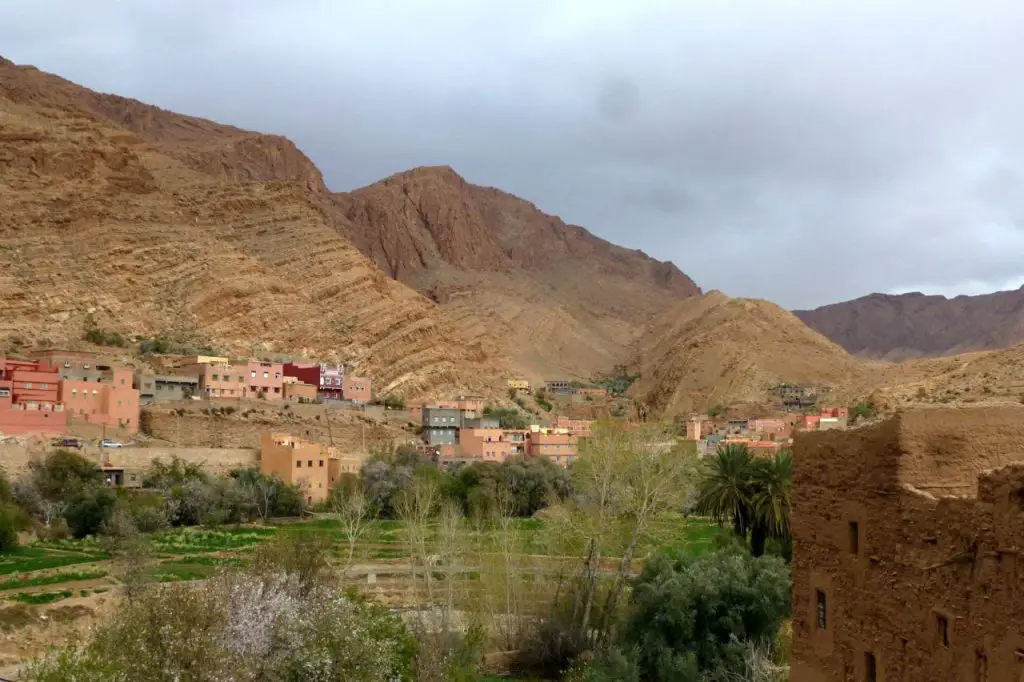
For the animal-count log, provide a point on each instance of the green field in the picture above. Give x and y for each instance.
(196, 553)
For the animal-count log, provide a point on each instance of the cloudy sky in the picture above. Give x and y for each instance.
(804, 152)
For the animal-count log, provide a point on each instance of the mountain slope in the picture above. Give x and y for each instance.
(563, 300)
(900, 327)
(718, 350)
(152, 223)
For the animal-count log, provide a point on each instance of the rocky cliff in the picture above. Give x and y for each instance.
(563, 300)
(147, 223)
(900, 327)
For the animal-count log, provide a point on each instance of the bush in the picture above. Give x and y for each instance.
(394, 402)
(698, 616)
(8, 531)
(89, 510)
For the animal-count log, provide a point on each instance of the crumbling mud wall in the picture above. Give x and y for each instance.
(908, 549)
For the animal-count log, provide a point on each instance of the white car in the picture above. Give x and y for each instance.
(107, 443)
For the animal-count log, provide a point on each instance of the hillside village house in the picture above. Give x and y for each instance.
(519, 385)
(907, 551)
(108, 400)
(218, 381)
(581, 428)
(93, 389)
(315, 468)
(332, 381)
(265, 380)
(298, 391)
(29, 398)
(559, 448)
(492, 444)
(154, 388)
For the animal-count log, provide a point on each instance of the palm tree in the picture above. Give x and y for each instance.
(771, 490)
(750, 493)
(724, 491)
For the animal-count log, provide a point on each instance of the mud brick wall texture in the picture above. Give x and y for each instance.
(908, 549)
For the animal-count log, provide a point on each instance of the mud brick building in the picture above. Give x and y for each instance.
(908, 549)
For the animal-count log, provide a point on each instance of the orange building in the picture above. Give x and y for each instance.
(492, 445)
(109, 400)
(356, 389)
(577, 427)
(296, 391)
(313, 467)
(559, 448)
(30, 398)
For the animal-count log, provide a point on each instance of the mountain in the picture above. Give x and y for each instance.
(900, 327)
(147, 223)
(562, 301)
(714, 349)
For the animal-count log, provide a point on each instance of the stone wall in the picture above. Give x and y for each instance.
(915, 582)
(14, 457)
(188, 425)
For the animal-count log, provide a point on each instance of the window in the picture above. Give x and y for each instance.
(321, 463)
(28, 385)
(46, 385)
(253, 373)
(85, 365)
(266, 375)
(854, 538)
(870, 667)
(942, 630)
(298, 464)
(5, 392)
(310, 464)
(216, 377)
(277, 375)
(822, 611)
(67, 364)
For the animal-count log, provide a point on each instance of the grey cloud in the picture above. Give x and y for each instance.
(801, 152)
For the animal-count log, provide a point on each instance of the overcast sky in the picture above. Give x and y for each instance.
(804, 152)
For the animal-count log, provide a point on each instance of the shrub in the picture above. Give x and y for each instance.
(8, 531)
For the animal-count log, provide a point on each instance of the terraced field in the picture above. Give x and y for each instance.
(48, 572)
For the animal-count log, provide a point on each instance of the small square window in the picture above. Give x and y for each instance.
(298, 464)
(854, 538)
(253, 374)
(310, 464)
(266, 375)
(321, 463)
(942, 630)
(822, 610)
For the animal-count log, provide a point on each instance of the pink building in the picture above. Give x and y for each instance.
(265, 380)
(30, 398)
(109, 400)
(219, 381)
(576, 427)
(492, 445)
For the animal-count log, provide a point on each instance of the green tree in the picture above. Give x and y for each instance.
(751, 494)
(694, 618)
(89, 510)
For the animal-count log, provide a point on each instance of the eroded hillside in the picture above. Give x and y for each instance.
(116, 213)
(719, 350)
(560, 299)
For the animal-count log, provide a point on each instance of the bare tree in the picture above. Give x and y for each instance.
(354, 514)
(415, 506)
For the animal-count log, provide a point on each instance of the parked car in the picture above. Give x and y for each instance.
(76, 443)
(107, 443)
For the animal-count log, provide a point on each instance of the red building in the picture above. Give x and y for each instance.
(30, 398)
(331, 381)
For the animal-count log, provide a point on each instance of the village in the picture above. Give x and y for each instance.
(55, 393)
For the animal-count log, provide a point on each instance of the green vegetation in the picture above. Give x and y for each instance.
(41, 597)
(861, 411)
(394, 402)
(519, 556)
(617, 381)
(751, 494)
(542, 400)
(716, 411)
(52, 579)
(508, 418)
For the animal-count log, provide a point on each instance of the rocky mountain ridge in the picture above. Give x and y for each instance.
(898, 327)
